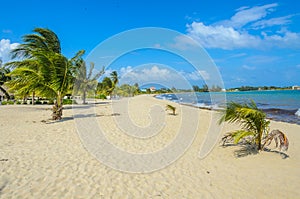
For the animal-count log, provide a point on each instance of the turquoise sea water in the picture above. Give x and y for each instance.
(279, 105)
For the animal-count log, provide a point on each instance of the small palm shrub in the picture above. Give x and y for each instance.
(255, 127)
(171, 108)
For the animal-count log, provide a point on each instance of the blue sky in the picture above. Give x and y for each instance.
(252, 42)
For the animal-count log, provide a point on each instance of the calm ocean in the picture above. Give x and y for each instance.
(279, 105)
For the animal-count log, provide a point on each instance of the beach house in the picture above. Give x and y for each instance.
(296, 87)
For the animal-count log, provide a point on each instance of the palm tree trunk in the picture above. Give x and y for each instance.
(24, 99)
(5, 92)
(84, 96)
(57, 108)
(259, 140)
(33, 94)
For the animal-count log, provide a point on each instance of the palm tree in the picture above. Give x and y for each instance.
(4, 78)
(114, 77)
(115, 80)
(43, 69)
(34, 44)
(107, 86)
(255, 127)
(86, 80)
(172, 108)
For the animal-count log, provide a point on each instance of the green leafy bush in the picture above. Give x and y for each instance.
(69, 101)
(51, 101)
(102, 96)
(38, 102)
(11, 102)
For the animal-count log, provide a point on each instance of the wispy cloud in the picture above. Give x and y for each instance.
(235, 33)
(106, 57)
(7, 31)
(248, 67)
(196, 75)
(5, 47)
(238, 55)
(246, 15)
(261, 59)
(183, 43)
(272, 22)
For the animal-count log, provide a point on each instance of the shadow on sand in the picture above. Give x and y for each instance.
(3, 186)
(248, 149)
(50, 121)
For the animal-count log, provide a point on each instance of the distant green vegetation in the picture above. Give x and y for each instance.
(205, 88)
(256, 88)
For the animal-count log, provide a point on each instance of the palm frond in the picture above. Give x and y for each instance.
(279, 138)
(51, 39)
(249, 117)
(77, 57)
(237, 136)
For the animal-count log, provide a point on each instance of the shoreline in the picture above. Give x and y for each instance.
(273, 113)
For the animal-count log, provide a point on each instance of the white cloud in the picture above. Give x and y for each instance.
(157, 46)
(246, 15)
(106, 73)
(5, 48)
(285, 39)
(221, 37)
(7, 31)
(183, 43)
(239, 80)
(125, 70)
(196, 75)
(234, 34)
(158, 74)
(272, 22)
(238, 55)
(145, 74)
(248, 67)
(261, 59)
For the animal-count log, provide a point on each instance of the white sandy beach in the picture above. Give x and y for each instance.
(48, 160)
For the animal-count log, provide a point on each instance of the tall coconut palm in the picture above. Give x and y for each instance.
(44, 41)
(42, 68)
(255, 127)
(86, 80)
(107, 86)
(114, 77)
(4, 78)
